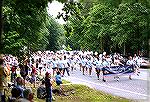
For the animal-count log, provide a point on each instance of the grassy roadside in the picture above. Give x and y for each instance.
(84, 94)
(81, 94)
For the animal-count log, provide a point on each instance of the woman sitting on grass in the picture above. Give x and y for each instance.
(58, 78)
(59, 82)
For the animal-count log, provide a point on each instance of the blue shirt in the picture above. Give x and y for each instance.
(58, 78)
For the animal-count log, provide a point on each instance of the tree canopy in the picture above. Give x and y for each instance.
(112, 26)
(98, 25)
(27, 27)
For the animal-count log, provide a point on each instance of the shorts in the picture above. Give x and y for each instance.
(58, 82)
(40, 68)
(54, 68)
(60, 69)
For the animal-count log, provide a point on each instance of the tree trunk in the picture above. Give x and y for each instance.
(1, 25)
(149, 49)
(124, 49)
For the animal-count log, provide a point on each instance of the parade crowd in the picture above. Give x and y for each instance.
(48, 67)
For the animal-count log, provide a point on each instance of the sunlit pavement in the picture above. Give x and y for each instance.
(135, 89)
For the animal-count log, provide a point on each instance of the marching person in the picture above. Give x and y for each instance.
(131, 63)
(61, 65)
(66, 66)
(89, 65)
(83, 65)
(98, 64)
(54, 65)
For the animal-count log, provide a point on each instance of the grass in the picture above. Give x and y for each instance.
(81, 94)
(84, 94)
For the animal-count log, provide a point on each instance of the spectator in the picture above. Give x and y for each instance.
(2, 76)
(4, 72)
(58, 78)
(20, 83)
(33, 73)
(28, 96)
(16, 94)
(41, 91)
(48, 85)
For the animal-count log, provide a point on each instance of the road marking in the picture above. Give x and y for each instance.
(127, 91)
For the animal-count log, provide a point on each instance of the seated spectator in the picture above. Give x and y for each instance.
(58, 78)
(16, 94)
(20, 83)
(41, 91)
(28, 96)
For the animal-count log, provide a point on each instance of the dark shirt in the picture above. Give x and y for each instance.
(47, 83)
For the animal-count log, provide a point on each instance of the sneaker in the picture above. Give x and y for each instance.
(104, 80)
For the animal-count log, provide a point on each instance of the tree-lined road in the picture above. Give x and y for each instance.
(135, 89)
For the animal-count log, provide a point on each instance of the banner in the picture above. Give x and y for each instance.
(118, 70)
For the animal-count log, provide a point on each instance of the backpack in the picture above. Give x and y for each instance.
(41, 93)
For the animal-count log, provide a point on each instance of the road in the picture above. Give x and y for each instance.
(135, 89)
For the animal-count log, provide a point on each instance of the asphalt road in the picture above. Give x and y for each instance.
(136, 89)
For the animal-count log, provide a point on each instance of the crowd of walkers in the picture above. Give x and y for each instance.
(42, 64)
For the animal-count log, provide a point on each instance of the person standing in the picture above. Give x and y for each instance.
(1, 78)
(48, 85)
(98, 64)
(33, 75)
(83, 65)
(131, 63)
(66, 66)
(54, 65)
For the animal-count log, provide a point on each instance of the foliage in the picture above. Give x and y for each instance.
(111, 25)
(130, 24)
(27, 27)
(56, 37)
(68, 48)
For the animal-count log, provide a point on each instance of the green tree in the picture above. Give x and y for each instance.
(23, 17)
(130, 26)
(56, 37)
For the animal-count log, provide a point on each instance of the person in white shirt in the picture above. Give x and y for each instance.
(54, 65)
(131, 63)
(40, 67)
(117, 62)
(71, 61)
(98, 64)
(109, 60)
(61, 65)
(80, 62)
(89, 65)
(83, 65)
(66, 66)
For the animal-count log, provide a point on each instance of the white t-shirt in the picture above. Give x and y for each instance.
(130, 62)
